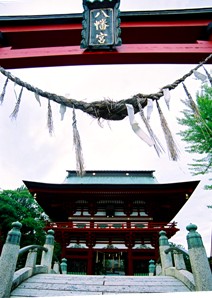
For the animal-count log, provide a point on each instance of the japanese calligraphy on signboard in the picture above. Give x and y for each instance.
(101, 24)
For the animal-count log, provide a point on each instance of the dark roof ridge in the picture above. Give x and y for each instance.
(115, 171)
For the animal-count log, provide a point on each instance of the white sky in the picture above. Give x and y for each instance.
(27, 152)
(15, 7)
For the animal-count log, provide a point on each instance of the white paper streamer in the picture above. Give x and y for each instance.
(149, 108)
(167, 97)
(200, 76)
(37, 98)
(136, 128)
(62, 111)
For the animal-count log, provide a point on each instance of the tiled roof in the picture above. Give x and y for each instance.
(112, 177)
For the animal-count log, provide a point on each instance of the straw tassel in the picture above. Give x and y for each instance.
(171, 145)
(17, 106)
(78, 147)
(3, 91)
(49, 119)
(191, 103)
(158, 147)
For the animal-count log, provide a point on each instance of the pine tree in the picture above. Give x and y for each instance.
(197, 120)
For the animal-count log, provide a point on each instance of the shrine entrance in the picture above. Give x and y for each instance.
(111, 262)
(109, 228)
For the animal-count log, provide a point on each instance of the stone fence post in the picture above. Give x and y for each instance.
(56, 267)
(63, 266)
(46, 259)
(158, 269)
(199, 261)
(8, 260)
(31, 258)
(179, 261)
(152, 267)
(166, 258)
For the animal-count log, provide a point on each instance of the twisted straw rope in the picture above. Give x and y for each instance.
(106, 109)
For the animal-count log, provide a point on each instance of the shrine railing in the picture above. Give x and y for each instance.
(111, 225)
(173, 262)
(10, 276)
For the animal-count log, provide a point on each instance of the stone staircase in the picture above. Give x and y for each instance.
(48, 285)
(41, 280)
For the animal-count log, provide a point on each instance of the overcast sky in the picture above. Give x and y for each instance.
(27, 152)
(15, 7)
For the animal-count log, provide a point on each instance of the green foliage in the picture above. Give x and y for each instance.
(197, 120)
(19, 205)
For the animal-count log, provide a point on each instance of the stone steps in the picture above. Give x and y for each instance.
(46, 285)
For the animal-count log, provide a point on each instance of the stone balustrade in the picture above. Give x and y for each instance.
(9, 278)
(201, 277)
(172, 261)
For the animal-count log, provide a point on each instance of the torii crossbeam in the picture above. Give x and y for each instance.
(166, 37)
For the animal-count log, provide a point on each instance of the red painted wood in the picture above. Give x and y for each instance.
(90, 262)
(146, 39)
(125, 54)
(130, 262)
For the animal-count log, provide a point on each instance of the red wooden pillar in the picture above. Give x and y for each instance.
(130, 262)
(63, 252)
(90, 262)
(90, 242)
(129, 244)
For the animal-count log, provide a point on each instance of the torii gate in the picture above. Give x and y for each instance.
(171, 36)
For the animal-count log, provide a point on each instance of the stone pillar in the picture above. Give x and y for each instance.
(31, 258)
(158, 270)
(63, 266)
(8, 260)
(151, 267)
(199, 261)
(56, 268)
(46, 259)
(166, 259)
(179, 261)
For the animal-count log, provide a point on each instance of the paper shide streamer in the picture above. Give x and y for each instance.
(62, 111)
(37, 97)
(111, 110)
(149, 108)
(108, 110)
(157, 145)
(136, 128)
(167, 97)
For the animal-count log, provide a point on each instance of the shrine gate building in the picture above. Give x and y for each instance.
(108, 222)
